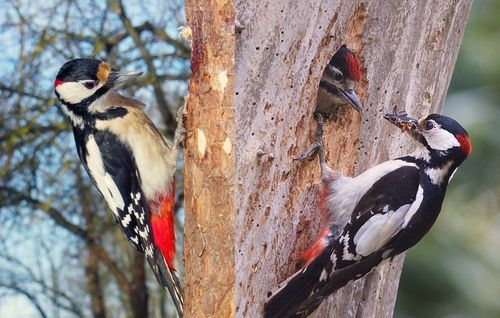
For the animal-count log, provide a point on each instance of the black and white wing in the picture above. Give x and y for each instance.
(112, 169)
(382, 213)
(379, 216)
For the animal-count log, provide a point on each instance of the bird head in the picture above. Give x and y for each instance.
(442, 136)
(80, 82)
(341, 75)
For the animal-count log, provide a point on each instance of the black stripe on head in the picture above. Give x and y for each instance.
(79, 69)
(448, 124)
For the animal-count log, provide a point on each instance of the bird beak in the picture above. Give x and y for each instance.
(352, 98)
(404, 122)
(118, 77)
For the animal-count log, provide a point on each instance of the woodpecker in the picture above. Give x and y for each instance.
(336, 87)
(337, 83)
(375, 216)
(127, 158)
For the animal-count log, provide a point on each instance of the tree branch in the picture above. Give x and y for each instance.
(163, 106)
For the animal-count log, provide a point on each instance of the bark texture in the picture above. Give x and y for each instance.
(407, 50)
(209, 169)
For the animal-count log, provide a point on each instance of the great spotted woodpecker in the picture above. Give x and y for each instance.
(336, 88)
(337, 83)
(127, 158)
(375, 216)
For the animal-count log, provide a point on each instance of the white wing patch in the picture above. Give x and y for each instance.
(104, 181)
(378, 230)
(343, 196)
(414, 206)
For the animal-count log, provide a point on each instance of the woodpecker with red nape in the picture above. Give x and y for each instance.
(336, 86)
(375, 216)
(128, 160)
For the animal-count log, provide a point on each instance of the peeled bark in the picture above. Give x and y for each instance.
(251, 211)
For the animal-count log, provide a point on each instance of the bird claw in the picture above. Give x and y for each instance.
(309, 153)
(180, 131)
(317, 146)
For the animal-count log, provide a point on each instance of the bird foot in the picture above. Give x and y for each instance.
(317, 146)
(309, 153)
(180, 131)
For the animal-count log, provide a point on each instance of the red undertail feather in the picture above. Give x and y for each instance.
(317, 248)
(163, 226)
(353, 67)
(465, 144)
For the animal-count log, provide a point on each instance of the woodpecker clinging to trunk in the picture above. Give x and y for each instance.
(337, 83)
(336, 88)
(374, 216)
(127, 158)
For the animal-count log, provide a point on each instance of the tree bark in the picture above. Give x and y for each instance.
(256, 197)
(209, 169)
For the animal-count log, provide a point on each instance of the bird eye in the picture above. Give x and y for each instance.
(338, 76)
(89, 84)
(429, 125)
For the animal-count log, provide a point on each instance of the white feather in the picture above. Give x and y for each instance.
(414, 206)
(155, 163)
(344, 193)
(440, 139)
(437, 174)
(76, 120)
(104, 181)
(74, 92)
(378, 230)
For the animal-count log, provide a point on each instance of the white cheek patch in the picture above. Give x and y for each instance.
(440, 139)
(104, 181)
(74, 92)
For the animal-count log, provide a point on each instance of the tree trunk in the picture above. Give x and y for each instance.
(251, 210)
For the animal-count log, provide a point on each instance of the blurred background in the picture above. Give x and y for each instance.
(61, 254)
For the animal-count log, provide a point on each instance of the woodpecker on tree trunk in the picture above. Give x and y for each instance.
(336, 88)
(375, 216)
(129, 161)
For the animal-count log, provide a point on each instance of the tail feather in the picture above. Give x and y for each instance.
(169, 280)
(285, 300)
(163, 232)
(289, 295)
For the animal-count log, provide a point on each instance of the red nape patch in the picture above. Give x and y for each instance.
(353, 67)
(465, 144)
(57, 82)
(163, 227)
(311, 253)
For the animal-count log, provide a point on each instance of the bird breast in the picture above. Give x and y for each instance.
(150, 150)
